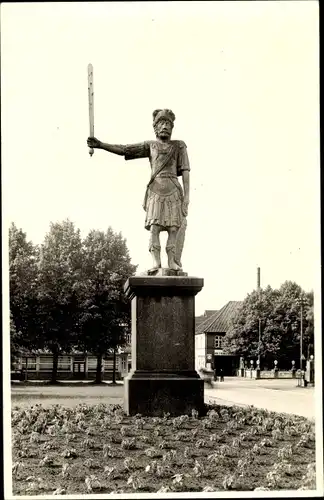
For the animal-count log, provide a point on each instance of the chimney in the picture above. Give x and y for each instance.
(258, 279)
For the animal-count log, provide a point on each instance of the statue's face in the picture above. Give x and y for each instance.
(163, 129)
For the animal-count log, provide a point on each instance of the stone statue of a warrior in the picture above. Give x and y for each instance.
(165, 202)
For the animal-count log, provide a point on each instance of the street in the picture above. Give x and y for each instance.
(275, 395)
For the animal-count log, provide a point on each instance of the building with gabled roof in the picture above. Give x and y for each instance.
(209, 336)
(207, 314)
(221, 322)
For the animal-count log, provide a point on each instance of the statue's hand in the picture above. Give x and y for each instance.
(185, 204)
(93, 143)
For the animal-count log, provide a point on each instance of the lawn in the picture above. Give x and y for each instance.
(98, 449)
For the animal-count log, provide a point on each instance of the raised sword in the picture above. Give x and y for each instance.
(91, 108)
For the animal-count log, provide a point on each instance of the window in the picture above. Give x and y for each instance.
(31, 363)
(45, 363)
(201, 361)
(64, 363)
(200, 341)
(218, 341)
(92, 363)
(108, 364)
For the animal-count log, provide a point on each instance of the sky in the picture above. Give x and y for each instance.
(243, 81)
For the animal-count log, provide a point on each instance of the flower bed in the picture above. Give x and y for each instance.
(97, 449)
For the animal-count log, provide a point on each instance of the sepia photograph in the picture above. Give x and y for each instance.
(161, 251)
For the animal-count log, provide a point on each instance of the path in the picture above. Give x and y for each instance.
(67, 395)
(275, 395)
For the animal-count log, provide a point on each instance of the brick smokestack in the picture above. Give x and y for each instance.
(258, 279)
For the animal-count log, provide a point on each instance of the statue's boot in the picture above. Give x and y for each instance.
(170, 250)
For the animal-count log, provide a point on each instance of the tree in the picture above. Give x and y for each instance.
(288, 315)
(105, 311)
(279, 311)
(14, 342)
(243, 337)
(60, 269)
(23, 286)
(68, 293)
(119, 330)
(309, 331)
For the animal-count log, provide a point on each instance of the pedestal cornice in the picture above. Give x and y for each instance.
(162, 285)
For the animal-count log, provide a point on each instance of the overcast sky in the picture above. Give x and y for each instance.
(242, 80)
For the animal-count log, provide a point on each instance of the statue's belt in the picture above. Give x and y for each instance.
(165, 188)
(164, 175)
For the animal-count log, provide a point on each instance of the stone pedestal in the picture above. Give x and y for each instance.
(163, 377)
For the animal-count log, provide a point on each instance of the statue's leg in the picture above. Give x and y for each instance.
(180, 242)
(155, 247)
(171, 248)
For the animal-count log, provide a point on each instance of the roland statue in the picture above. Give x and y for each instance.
(166, 201)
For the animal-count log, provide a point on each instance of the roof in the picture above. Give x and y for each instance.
(206, 321)
(199, 319)
(220, 321)
(210, 312)
(207, 314)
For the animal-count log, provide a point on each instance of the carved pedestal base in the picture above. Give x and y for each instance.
(163, 378)
(152, 393)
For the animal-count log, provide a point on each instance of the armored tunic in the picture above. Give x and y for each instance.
(164, 194)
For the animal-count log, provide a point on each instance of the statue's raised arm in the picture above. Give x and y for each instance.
(94, 143)
(166, 201)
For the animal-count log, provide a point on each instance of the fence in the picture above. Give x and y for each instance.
(75, 367)
(266, 374)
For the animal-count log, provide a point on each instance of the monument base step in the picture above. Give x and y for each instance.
(157, 393)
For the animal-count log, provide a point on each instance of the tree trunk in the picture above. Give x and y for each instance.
(98, 378)
(114, 368)
(54, 369)
(26, 369)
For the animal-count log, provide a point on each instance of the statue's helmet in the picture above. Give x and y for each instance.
(165, 114)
